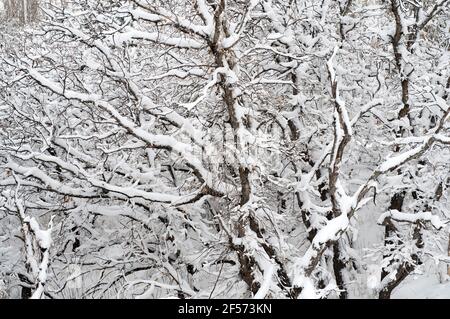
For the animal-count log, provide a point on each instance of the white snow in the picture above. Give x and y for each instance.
(412, 218)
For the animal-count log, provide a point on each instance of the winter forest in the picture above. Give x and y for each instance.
(224, 149)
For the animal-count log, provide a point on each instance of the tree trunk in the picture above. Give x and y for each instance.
(338, 267)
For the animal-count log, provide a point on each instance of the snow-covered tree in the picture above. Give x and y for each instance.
(224, 148)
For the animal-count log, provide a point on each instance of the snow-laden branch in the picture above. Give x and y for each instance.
(157, 37)
(342, 136)
(44, 241)
(343, 118)
(348, 205)
(269, 270)
(158, 141)
(436, 9)
(206, 88)
(411, 218)
(147, 104)
(38, 260)
(113, 191)
(154, 14)
(233, 38)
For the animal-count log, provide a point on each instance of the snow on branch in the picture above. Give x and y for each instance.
(44, 240)
(205, 89)
(341, 109)
(158, 141)
(411, 218)
(37, 259)
(157, 37)
(161, 111)
(436, 9)
(154, 14)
